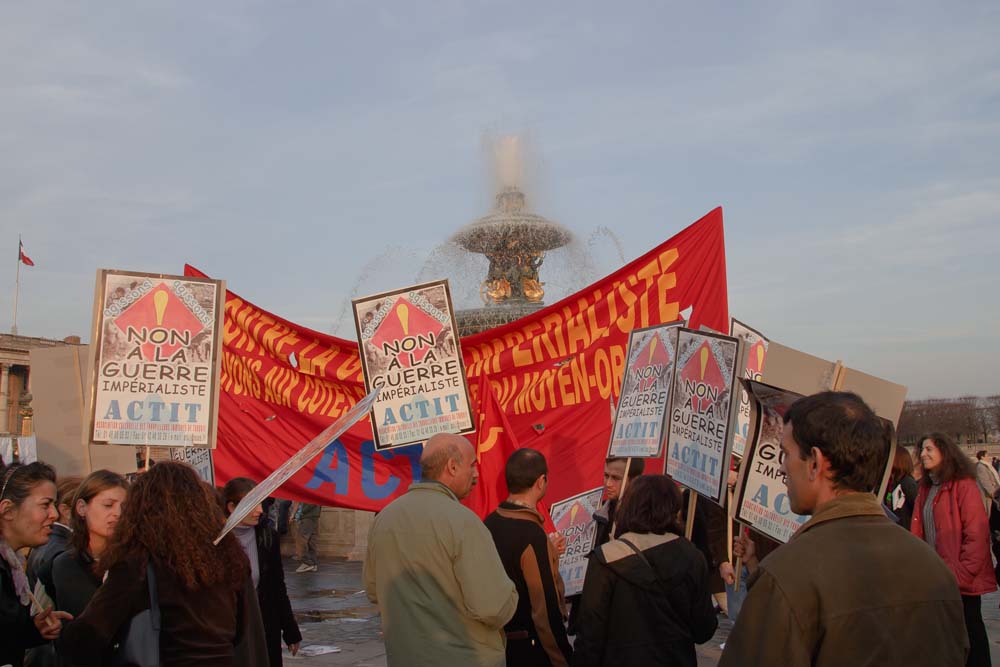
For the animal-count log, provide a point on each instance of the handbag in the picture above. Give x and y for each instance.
(140, 642)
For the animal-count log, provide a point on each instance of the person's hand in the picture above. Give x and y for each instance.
(727, 573)
(294, 648)
(559, 542)
(745, 548)
(49, 623)
(731, 480)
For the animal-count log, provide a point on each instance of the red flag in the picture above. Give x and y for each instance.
(21, 257)
(495, 442)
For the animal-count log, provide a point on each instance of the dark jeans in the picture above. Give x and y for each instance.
(979, 643)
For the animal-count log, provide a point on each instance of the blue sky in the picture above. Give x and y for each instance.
(300, 149)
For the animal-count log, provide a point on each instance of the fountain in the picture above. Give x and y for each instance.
(515, 241)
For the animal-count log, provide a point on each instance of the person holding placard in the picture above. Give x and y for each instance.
(950, 516)
(646, 597)
(262, 546)
(849, 587)
(614, 479)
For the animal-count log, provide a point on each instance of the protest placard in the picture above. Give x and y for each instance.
(701, 411)
(155, 357)
(756, 346)
(645, 397)
(574, 519)
(761, 498)
(805, 374)
(410, 350)
(198, 458)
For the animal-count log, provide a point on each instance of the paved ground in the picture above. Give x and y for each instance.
(333, 612)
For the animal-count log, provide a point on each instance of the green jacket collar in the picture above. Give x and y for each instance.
(841, 507)
(433, 485)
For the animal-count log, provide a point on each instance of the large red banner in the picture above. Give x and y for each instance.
(554, 374)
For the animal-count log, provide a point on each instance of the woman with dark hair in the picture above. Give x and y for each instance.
(27, 512)
(262, 546)
(168, 523)
(646, 597)
(902, 494)
(949, 515)
(96, 508)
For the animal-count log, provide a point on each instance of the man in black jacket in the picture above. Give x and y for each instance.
(536, 635)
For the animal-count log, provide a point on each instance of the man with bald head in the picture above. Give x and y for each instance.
(433, 570)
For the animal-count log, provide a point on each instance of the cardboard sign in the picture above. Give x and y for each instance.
(756, 347)
(574, 519)
(156, 354)
(410, 351)
(702, 412)
(197, 458)
(761, 498)
(806, 375)
(645, 398)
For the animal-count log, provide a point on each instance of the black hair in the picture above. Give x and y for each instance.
(234, 491)
(634, 470)
(849, 434)
(523, 469)
(651, 505)
(20, 479)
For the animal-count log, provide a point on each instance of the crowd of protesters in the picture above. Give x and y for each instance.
(98, 571)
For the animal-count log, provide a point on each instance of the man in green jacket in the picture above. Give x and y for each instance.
(434, 572)
(850, 587)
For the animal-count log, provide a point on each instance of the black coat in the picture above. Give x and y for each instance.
(17, 629)
(75, 581)
(652, 612)
(275, 607)
(41, 558)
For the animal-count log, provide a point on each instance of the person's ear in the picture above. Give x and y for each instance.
(81, 508)
(6, 506)
(818, 464)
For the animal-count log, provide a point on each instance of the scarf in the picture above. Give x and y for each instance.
(16, 563)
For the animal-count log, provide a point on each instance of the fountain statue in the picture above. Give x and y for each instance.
(515, 241)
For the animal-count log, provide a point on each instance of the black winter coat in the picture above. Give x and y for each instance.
(275, 607)
(17, 629)
(652, 612)
(41, 558)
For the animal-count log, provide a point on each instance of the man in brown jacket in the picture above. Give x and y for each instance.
(850, 587)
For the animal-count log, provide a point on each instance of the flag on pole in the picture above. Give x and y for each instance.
(21, 257)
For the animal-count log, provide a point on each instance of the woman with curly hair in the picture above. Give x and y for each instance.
(169, 522)
(27, 512)
(263, 548)
(949, 515)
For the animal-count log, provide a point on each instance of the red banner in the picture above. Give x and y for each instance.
(553, 375)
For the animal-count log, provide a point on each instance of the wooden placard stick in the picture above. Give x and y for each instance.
(147, 457)
(837, 381)
(621, 494)
(692, 503)
(739, 566)
(729, 525)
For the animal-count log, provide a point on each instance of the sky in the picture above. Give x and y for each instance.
(314, 151)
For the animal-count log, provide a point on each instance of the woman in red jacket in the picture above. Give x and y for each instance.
(949, 515)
